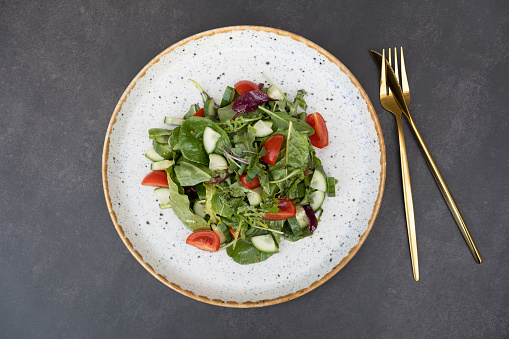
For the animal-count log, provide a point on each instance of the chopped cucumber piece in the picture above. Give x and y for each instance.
(228, 96)
(263, 128)
(331, 186)
(161, 165)
(274, 93)
(218, 231)
(152, 155)
(294, 225)
(210, 138)
(163, 194)
(225, 231)
(162, 139)
(163, 150)
(209, 108)
(173, 121)
(318, 197)
(192, 110)
(198, 208)
(302, 218)
(265, 243)
(155, 132)
(255, 196)
(318, 181)
(298, 192)
(217, 162)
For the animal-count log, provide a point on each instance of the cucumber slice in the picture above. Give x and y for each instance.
(163, 150)
(318, 181)
(173, 121)
(210, 138)
(163, 194)
(255, 196)
(198, 208)
(265, 243)
(263, 128)
(217, 162)
(274, 93)
(218, 231)
(318, 197)
(162, 139)
(301, 217)
(152, 155)
(161, 165)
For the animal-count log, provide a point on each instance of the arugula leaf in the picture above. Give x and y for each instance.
(180, 205)
(245, 253)
(190, 174)
(298, 102)
(281, 120)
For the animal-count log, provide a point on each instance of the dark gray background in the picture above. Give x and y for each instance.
(64, 272)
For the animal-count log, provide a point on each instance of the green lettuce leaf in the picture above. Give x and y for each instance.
(180, 205)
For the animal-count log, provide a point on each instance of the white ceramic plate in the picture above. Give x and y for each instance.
(215, 59)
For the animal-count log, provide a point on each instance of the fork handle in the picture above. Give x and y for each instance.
(445, 192)
(409, 204)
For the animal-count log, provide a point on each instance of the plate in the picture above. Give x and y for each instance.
(215, 59)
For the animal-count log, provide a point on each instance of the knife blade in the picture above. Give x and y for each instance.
(391, 79)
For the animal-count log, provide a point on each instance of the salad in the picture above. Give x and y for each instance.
(242, 175)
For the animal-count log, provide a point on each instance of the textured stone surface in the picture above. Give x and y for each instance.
(64, 272)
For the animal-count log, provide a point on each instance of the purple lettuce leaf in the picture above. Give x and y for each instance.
(249, 101)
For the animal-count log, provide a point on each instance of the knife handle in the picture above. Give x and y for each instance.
(445, 191)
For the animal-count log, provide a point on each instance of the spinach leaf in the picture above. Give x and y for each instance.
(180, 205)
(245, 253)
(190, 174)
(297, 149)
(174, 139)
(191, 139)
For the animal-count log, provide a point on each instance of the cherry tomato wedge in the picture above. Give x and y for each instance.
(287, 210)
(206, 240)
(199, 113)
(249, 184)
(273, 146)
(156, 178)
(245, 86)
(321, 137)
(232, 232)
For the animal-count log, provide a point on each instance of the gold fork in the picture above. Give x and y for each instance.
(389, 103)
(403, 100)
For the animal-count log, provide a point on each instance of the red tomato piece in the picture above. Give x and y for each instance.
(287, 210)
(232, 231)
(245, 86)
(156, 178)
(272, 145)
(206, 240)
(199, 113)
(249, 184)
(321, 137)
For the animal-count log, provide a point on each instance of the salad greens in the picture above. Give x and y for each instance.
(245, 170)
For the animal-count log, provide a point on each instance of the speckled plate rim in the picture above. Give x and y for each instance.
(260, 303)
